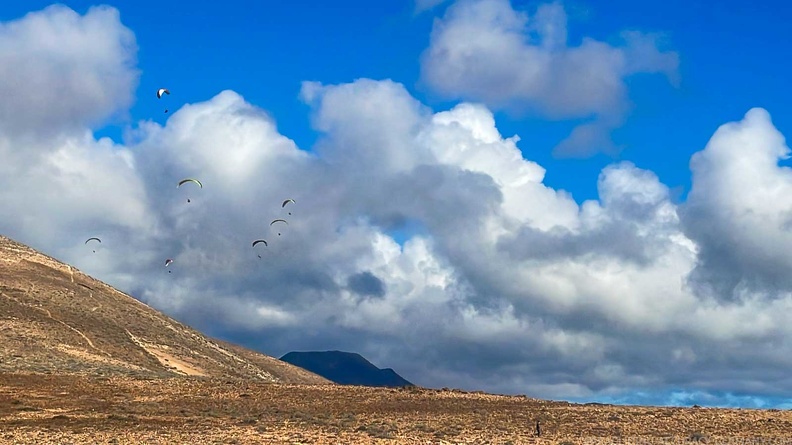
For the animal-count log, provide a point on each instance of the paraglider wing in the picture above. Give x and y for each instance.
(286, 202)
(184, 181)
(279, 220)
(259, 241)
(89, 239)
(162, 91)
(168, 262)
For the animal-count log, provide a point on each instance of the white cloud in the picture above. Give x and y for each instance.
(466, 137)
(60, 70)
(484, 50)
(59, 74)
(738, 210)
(511, 286)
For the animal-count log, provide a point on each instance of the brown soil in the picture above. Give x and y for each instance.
(50, 409)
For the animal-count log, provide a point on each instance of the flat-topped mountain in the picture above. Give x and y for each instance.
(55, 319)
(346, 368)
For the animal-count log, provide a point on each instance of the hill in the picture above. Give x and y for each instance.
(346, 368)
(55, 319)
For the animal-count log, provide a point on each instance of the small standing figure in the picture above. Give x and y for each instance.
(538, 429)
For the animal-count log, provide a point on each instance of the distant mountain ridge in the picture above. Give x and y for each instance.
(345, 368)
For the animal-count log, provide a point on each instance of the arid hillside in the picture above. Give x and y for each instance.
(55, 319)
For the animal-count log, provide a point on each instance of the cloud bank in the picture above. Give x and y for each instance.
(502, 283)
(486, 51)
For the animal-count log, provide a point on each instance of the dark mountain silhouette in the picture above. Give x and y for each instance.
(345, 368)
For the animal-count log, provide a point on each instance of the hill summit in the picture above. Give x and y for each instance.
(54, 319)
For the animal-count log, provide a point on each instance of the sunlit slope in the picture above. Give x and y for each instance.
(55, 319)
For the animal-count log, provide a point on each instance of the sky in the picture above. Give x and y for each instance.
(581, 201)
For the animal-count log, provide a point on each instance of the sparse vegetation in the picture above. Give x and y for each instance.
(378, 430)
(248, 421)
(698, 437)
(206, 410)
(447, 431)
(28, 408)
(422, 427)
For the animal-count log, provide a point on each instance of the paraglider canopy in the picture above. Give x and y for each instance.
(184, 181)
(162, 91)
(286, 202)
(279, 220)
(93, 238)
(260, 241)
(168, 262)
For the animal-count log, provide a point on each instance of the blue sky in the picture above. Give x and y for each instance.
(669, 287)
(731, 59)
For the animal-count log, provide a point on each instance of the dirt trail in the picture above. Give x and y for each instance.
(90, 343)
(167, 360)
(49, 314)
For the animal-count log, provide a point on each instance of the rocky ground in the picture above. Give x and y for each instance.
(74, 409)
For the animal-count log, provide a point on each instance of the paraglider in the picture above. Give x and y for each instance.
(93, 238)
(168, 263)
(286, 202)
(259, 241)
(184, 181)
(279, 220)
(162, 91)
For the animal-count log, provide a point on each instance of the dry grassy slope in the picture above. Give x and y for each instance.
(54, 318)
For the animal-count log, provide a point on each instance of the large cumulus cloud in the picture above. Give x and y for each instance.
(738, 210)
(60, 75)
(484, 50)
(64, 71)
(503, 283)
